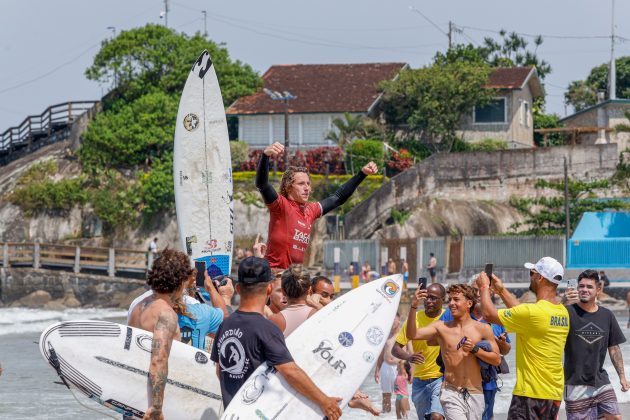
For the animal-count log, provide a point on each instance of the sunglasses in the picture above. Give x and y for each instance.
(532, 272)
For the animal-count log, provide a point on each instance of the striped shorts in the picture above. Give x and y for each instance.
(587, 402)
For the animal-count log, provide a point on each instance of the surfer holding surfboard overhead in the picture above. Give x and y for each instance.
(291, 214)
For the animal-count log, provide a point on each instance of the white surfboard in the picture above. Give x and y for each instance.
(337, 347)
(202, 170)
(109, 363)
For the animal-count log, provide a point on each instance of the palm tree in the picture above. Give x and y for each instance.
(347, 129)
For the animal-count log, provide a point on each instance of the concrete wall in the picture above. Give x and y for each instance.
(491, 176)
(16, 283)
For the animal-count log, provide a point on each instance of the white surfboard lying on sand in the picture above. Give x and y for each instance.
(202, 170)
(109, 363)
(337, 347)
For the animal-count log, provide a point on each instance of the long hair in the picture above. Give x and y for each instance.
(289, 177)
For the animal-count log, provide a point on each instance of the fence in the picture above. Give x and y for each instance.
(453, 255)
(36, 131)
(600, 253)
(117, 262)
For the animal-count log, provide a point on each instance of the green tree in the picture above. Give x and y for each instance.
(542, 120)
(430, 102)
(133, 134)
(545, 215)
(348, 128)
(512, 50)
(583, 93)
(156, 58)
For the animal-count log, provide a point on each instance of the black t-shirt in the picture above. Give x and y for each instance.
(585, 351)
(244, 341)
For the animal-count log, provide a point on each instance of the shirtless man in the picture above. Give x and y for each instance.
(432, 266)
(386, 367)
(462, 345)
(155, 313)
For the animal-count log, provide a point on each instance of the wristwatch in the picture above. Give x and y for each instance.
(475, 349)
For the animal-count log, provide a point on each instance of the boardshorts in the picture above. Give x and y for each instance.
(587, 402)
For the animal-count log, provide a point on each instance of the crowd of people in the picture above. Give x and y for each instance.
(450, 356)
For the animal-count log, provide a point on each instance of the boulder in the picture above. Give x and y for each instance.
(37, 299)
(55, 305)
(70, 300)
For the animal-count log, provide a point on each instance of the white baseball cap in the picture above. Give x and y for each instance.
(549, 268)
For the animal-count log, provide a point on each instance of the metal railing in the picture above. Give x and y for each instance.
(50, 126)
(114, 262)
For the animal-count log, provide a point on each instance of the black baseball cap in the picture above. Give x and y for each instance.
(254, 270)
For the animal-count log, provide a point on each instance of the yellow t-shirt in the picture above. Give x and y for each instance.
(541, 331)
(429, 369)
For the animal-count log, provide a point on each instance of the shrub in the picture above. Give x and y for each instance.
(239, 150)
(364, 151)
(399, 162)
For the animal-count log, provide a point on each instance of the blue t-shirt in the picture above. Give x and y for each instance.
(497, 330)
(206, 320)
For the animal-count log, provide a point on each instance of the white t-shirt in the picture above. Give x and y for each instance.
(153, 247)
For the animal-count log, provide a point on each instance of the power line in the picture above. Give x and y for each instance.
(472, 28)
(48, 73)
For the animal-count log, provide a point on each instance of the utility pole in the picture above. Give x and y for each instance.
(450, 34)
(612, 76)
(166, 13)
(285, 97)
(205, 27)
(567, 221)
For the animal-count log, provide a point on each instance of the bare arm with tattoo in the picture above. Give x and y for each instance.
(163, 334)
(616, 357)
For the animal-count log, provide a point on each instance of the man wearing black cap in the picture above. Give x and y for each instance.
(246, 339)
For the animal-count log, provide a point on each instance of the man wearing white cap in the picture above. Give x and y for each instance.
(541, 331)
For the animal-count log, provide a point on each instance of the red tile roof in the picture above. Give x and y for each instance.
(509, 77)
(319, 88)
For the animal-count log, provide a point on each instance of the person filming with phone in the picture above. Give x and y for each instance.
(593, 332)
(541, 331)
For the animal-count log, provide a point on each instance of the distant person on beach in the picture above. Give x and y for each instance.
(291, 214)
(167, 279)
(391, 267)
(247, 335)
(387, 367)
(464, 345)
(427, 378)
(401, 390)
(594, 331)
(153, 248)
(432, 267)
(541, 331)
(365, 271)
(405, 271)
(603, 278)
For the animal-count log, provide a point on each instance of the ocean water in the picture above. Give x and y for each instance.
(28, 389)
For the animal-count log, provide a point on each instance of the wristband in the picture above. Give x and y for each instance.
(475, 349)
(413, 307)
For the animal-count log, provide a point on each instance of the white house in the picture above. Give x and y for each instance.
(324, 92)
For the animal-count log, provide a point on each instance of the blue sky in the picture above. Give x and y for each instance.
(45, 45)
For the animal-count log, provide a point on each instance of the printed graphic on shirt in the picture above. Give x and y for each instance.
(590, 333)
(232, 354)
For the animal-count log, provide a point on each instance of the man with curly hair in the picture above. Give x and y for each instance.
(155, 313)
(292, 215)
(464, 343)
